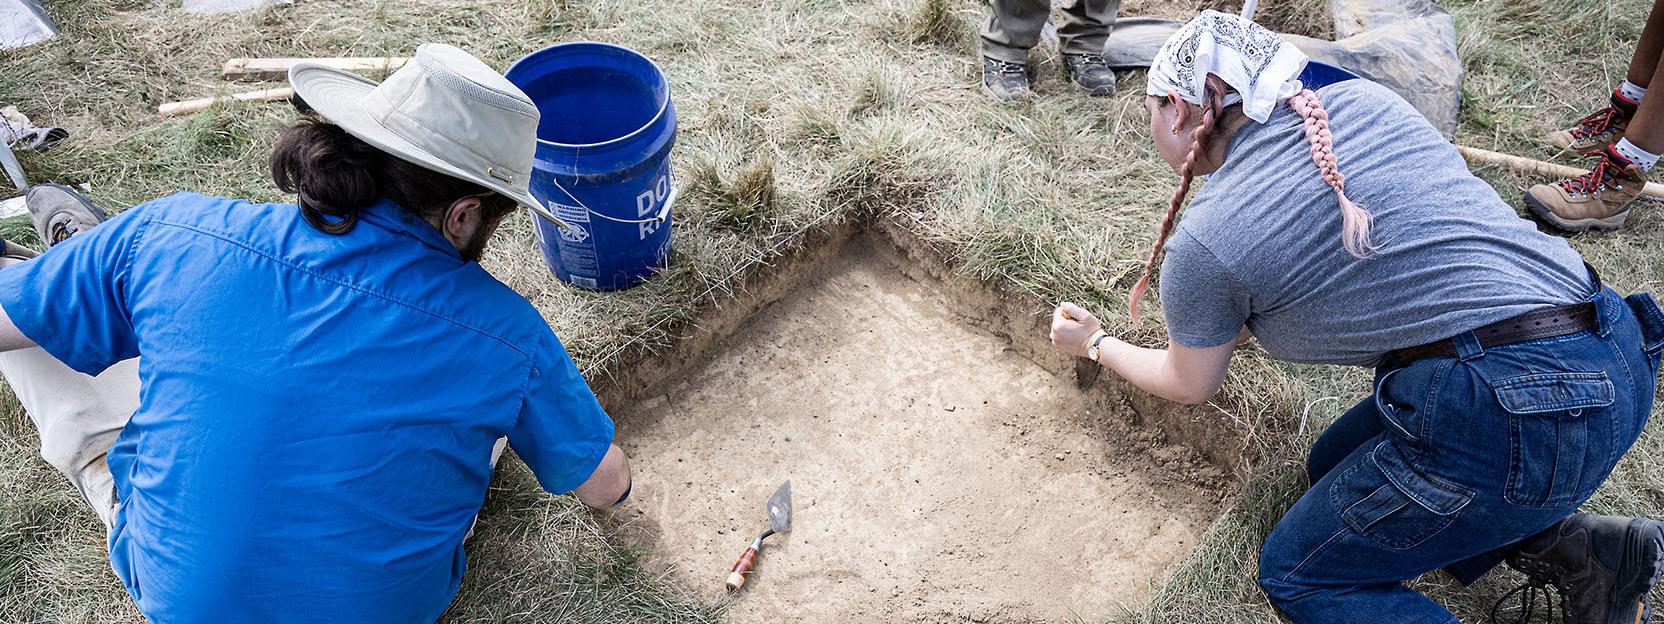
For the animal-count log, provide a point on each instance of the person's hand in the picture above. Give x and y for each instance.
(1072, 328)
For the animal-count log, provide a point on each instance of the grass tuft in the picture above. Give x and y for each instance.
(934, 23)
(747, 201)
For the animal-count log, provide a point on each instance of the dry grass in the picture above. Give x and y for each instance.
(795, 114)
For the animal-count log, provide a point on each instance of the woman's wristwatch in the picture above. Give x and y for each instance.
(1092, 346)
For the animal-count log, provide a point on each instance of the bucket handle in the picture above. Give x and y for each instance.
(664, 211)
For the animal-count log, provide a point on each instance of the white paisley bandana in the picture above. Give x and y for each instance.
(1262, 67)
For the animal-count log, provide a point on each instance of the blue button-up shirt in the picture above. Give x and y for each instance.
(317, 412)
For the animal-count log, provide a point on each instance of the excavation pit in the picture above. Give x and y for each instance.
(939, 474)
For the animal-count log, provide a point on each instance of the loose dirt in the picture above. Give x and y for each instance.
(938, 475)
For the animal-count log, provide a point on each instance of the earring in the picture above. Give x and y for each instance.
(1175, 129)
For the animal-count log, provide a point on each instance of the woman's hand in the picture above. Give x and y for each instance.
(1072, 328)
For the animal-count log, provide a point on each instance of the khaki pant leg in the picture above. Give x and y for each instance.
(78, 416)
(1086, 25)
(1013, 28)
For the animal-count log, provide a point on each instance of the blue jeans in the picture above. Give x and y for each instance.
(1453, 460)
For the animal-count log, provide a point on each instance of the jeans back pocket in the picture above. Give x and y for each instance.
(1558, 436)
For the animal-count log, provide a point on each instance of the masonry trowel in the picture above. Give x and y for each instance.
(779, 521)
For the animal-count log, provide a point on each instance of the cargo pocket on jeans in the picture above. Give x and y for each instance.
(1387, 500)
(1556, 458)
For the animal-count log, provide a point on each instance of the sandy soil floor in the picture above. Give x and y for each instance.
(938, 475)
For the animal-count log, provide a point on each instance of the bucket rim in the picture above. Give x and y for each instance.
(663, 108)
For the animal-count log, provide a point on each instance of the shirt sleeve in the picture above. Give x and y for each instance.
(1204, 305)
(74, 299)
(562, 433)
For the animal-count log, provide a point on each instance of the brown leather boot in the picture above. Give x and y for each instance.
(1601, 128)
(1598, 200)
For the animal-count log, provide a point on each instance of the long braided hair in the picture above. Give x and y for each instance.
(1355, 221)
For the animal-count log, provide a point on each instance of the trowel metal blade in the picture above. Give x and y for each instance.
(780, 509)
(1086, 372)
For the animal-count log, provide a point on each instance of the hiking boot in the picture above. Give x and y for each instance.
(1006, 81)
(1602, 566)
(59, 212)
(1598, 200)
(1090, 73)
(1600, 129)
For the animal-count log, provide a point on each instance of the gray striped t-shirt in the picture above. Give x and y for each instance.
(1261, 243)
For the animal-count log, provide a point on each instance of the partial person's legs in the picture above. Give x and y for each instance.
(1086, 25)
(1013, 28)
(1644, 63)
(1081, 37)
(1604, 127)
(1627, 136)
(78, 416)
(1646, 130)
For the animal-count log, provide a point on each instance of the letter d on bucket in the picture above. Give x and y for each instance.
(603, 161)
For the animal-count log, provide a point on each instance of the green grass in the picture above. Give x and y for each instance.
(795, 114)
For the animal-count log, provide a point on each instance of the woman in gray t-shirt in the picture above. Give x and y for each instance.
(1509, 382)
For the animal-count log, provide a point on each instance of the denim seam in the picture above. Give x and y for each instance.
(1566, 376)
(1385, 410)
(1630, 376)
(1431, 402)
(1513, 485)
(345, 283)
(1320, 548)
(1603, 316)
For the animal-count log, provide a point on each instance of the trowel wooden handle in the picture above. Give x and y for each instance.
(736, 577)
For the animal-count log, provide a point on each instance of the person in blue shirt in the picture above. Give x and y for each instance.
(287, 412)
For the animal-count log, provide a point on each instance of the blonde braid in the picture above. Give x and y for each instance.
(1355, 221)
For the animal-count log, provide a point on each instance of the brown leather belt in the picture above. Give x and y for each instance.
(1534, 325)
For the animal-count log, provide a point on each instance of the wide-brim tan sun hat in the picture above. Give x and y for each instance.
(445, 111)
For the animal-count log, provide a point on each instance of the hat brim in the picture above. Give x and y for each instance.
(339, 97)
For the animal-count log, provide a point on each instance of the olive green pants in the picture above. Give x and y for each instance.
(1013, 27)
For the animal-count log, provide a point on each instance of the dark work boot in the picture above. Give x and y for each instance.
(59, 212)
(1090, 73)
(1602, 566)
(1006, 81)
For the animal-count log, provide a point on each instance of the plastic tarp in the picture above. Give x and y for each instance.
(1408, 46)
(23, 23)
(222, 6)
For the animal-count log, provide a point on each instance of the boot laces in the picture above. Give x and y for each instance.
(1529, 592)
(1590, 183)
(59, 231)
(1089, 60)
(1007, 67)
(1597, 123)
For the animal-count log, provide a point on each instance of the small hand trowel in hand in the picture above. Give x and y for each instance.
(779, 521)
(1086, 369)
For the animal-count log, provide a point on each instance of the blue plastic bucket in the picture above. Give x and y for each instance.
(602, 163)
(1318, 75)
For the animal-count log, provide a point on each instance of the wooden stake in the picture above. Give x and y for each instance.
(187, 107)
(278, 68)
(1532, 166)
